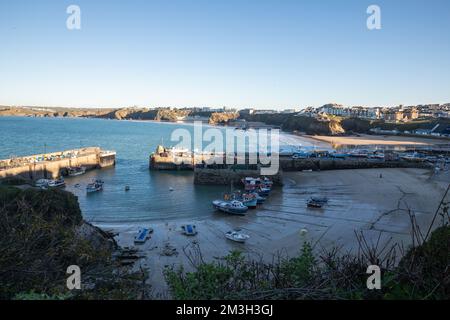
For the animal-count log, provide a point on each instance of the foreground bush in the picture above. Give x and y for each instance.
(39, 239)
(423, 273)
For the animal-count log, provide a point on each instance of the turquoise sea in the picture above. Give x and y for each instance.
(149, 198)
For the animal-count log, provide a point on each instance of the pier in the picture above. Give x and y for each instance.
(230, 174)
(55, 164)
(176, 159)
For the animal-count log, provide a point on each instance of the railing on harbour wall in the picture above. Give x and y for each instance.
(51, 165)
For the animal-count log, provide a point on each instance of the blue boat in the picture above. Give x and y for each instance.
(263, 192)
(260, 199)
(232, 207)
(249, 202)
(248, 199)
(142, 236)
(189, 229)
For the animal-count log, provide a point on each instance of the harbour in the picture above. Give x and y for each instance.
(166, 200)
(56, 164)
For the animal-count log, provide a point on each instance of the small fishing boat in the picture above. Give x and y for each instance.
(233, 207)
(237, 236)
(142, 236)
(76, 171)
(260, 199)
(252, 183)
(248, 199)
(95, 186)
(249, 183)
(56, 183)
(189, 229)
(127, 188)
(317, 202)
(267, 182)
(41, 183)
(413, 157)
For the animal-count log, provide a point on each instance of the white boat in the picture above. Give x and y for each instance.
(95, 186)
(263, 185)
(237, 236)
(413, 157)
(76, 171)
(41, 183)
(56, 183)
(233, 207)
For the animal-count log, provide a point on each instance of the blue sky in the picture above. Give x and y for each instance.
(246, 53)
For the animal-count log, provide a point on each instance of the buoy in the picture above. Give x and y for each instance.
(170, 189)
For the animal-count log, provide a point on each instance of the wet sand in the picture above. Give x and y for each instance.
(358, 200)
(378, 140)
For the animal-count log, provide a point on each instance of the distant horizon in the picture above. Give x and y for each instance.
(214, 107)
(262, 54)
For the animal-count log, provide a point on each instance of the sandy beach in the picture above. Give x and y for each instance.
(358, 200)
(378, 140)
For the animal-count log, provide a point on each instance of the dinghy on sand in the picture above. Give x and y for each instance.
(237, 236)
(189, 229)
(143, 235)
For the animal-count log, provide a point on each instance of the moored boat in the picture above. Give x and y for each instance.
(316, 202)
(263, 192)
(189, 229)
(232, 207)
(41, 183)
(56, 183)
(259, 199)
(413, 157)
(142, 236)
(95, 186)
(76, 171)
(262, 186)
(248, 199)
(237, 236)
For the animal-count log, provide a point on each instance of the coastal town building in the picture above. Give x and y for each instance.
(400, 114)
(247, 111)
(354, 112)
(265, 111)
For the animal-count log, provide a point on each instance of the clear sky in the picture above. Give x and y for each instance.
(235, 53)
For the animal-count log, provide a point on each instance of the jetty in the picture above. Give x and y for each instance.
(224, 174)
(165, 158)
(53, 165)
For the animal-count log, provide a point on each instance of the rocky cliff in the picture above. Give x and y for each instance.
(223, 117)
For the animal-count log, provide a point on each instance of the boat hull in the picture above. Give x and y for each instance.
(236, 237)
(224, 207)
(250, 203)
